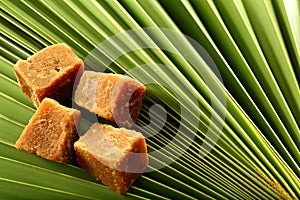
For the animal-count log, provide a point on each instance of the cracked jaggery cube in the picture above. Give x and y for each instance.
(51, 72)
(51, 132)
(116, 156)
(115, 97)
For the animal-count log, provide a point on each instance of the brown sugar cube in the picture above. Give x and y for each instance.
(51, 132)
(116, 156)
(115, 97)
(51, 72)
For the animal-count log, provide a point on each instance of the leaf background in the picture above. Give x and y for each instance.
(255, 46)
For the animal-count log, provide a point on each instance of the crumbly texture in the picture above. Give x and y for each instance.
(51, 132)
(51, 72)
(116, 156)
(117, 98)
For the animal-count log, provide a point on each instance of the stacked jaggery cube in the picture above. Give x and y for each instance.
(114, 97)
(116, 156)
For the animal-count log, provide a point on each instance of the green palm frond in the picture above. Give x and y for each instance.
(225, 74)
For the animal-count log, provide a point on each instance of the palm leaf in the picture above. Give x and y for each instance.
(227, 129)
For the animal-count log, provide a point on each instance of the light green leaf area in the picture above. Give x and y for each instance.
(221, 113)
